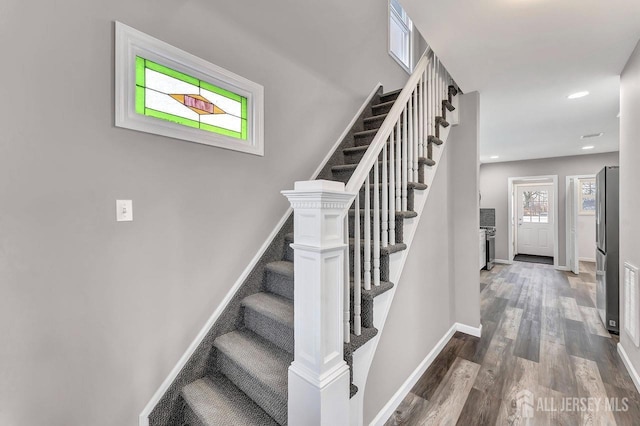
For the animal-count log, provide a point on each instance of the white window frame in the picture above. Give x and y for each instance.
(581, 211)
(407, 25)
(131, 43)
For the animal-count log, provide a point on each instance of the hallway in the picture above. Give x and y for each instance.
(544, 359)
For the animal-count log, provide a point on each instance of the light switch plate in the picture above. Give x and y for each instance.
(124, 210)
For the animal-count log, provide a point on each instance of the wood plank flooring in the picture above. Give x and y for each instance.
(544, 358)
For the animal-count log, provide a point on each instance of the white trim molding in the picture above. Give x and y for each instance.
(200, 77)
(512, 182)
(630, 368)
(387, 411)
(503, 261)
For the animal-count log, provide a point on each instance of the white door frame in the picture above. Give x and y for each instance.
(511, 183)
(568, 212)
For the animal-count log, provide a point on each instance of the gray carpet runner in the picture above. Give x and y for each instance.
(239, 374)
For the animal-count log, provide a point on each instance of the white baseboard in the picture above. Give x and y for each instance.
(408, 384)
(503, 261)
(467, 329)
(630, 368)
(587, 259)
(406, 387)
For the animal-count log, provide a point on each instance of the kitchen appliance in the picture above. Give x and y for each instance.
(490, 235)
(607, 247)
(488, 223)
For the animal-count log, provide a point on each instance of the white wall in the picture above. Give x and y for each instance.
(94, 314)
(440, 283)
(629, 179)
(494, 189)
(586, 237)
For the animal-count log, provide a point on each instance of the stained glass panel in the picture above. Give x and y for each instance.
(170, 95)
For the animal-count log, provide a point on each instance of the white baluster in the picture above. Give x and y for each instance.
(385, 197)
(376, 224)
(421, 117)
(410, 136)
(416, 137)
(357, 272)
(367, 235)
(392, 188)
(398, 166)
(346, 296)
(405, 159)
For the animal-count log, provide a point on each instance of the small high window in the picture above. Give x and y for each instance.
(400, 36)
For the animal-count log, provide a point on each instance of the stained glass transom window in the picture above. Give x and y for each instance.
(170, 95)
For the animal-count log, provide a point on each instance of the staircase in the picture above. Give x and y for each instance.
(243, 375)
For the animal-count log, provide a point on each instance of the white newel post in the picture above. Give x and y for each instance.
(319, 376)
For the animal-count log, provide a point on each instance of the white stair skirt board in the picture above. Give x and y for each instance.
(630, 368)
(144, 415)
(363, 357)
(406, 387)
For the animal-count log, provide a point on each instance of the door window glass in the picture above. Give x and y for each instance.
(535, 206)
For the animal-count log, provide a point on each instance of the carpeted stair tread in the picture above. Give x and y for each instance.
(410, 185)
(448, 105)
(383, 104)
(356, 342)
(426, 161)
(281, 267)
(216, 401)
(376, 290)
(272, 306)
(441, 121)
(391, 248)
(258, 368)
(365, 133)
(358, 149)
(353, 389)
(375, 118)
(403, 214)
(393, 94)
(433, 139)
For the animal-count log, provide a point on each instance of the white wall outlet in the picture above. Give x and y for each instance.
(124, 210)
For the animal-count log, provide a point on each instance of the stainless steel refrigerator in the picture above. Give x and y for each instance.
(607, 247)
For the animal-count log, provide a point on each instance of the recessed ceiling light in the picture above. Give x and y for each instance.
(494, 157)
(588, 147)
(578, 95)
(591, 135)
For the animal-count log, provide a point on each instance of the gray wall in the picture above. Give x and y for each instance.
(430, 296)
(494, 189)
(94, 314)
(629, 179)
(464, 208)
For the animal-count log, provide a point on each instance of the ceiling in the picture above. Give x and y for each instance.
(525, 57)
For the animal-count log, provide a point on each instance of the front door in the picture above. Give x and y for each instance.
(535, 220)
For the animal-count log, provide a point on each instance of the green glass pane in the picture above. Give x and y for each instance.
(173, 118)
(244, 130)
(140, 100)
(139, 71)
(220, 131)
(220, 91)
(244, 109)
(172, 73)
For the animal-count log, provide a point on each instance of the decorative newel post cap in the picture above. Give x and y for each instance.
(319, 186)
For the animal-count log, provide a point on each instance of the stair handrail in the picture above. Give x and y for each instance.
(371, 155)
